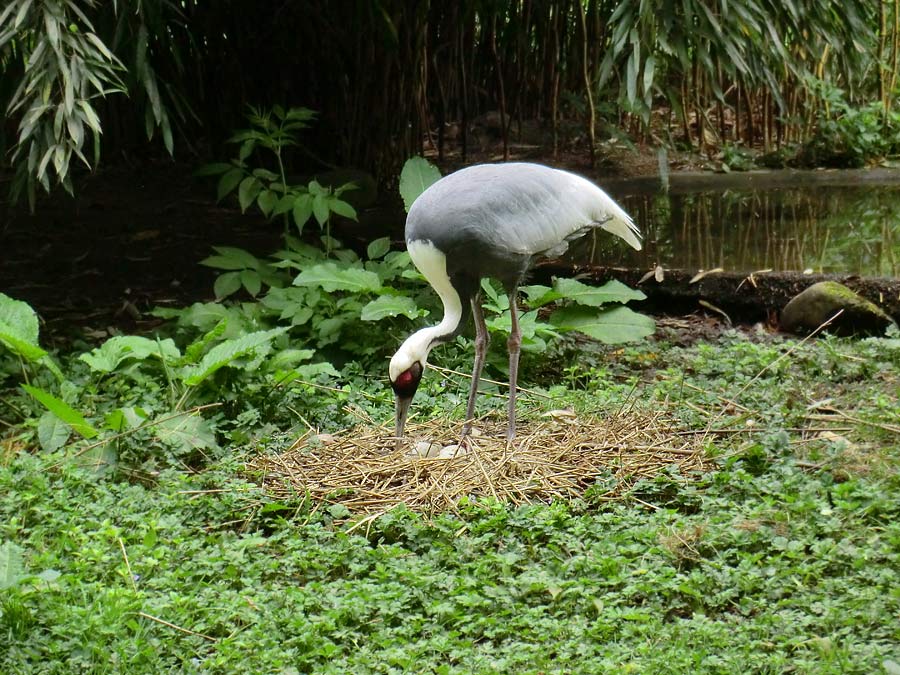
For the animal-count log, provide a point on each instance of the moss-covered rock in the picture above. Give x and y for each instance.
(811, 308)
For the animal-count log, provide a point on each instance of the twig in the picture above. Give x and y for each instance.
(178, 628)
(127, 564)
(878, 425)
(520, 389)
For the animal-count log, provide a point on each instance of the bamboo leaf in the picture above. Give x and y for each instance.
(23, 12)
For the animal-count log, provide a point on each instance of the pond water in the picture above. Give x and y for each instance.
(822, 227)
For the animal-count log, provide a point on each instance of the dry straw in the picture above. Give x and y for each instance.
(558, 456)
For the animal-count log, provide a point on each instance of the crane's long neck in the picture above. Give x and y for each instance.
(432, 263)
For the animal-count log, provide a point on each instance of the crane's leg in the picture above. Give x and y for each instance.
(482, 339)
(514, 344)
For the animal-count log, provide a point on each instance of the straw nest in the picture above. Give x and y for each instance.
(558, 456)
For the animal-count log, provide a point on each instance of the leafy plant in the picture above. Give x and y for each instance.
(327, 298)
(68, 66)
(847, 134)
(12, 565)
(19, 332)
(274, 131)
(736, 158)
(417, 175)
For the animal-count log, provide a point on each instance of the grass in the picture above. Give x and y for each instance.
(784, 559)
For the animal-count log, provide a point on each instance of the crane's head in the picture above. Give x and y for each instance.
(406, 369)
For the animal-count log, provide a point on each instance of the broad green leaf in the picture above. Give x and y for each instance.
(265, 174)
(342, 208)
(52, 432)
(227, 352)
(418, 175)
(12, 565)
(251, 280)
(490, 292)
(227, 284)
(122, 419)
(247, 191)
(284, 204)
(49, 575)
(186, 433)
(205, 315)
(62, 410)
(378, 248)
(390, 305)
(612, 326)
(195, 350)
(213, 169)
(583, 294)
(320, 208)
(288, 358)
(19, 328)
(302, 209)
(24, 349)
(309, 371)
(228, 182)
(538, 296)
(330, 278)
(267, 201)
(231, 258)
(330, 328)
(528, 324)
(649, 71)
(398, 260)
(116, 350)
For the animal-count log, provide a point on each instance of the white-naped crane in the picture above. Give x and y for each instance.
(492, 220)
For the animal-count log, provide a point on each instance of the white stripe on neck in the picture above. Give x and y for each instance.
(432, 263)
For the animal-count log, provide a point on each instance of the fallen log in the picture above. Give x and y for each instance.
(744, 297)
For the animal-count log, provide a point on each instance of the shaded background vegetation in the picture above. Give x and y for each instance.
(390, 78)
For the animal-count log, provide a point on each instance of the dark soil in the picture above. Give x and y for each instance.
(130, 240)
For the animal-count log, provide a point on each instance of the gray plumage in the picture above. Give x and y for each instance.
(495, 219)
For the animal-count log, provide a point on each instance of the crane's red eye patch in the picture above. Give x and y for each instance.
(408, 381)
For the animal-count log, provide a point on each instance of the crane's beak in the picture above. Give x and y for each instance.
(402, 403)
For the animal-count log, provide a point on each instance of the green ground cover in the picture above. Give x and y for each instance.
(785, 559)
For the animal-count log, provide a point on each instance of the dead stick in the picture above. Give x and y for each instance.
(178, 628)
(127, 565)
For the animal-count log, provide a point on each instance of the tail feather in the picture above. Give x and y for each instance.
(615, 220)
(605, 213)
(623, 226)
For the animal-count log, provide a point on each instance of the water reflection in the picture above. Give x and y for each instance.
(824, 228)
